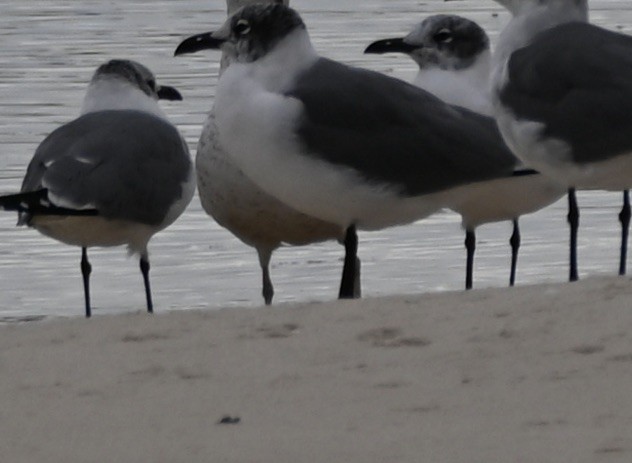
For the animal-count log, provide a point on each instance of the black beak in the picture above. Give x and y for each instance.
(390, 46)
(204, 41)
(168, 93)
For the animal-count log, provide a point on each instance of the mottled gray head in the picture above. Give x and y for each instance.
(137, 75)
(448, 42)
(249, 34)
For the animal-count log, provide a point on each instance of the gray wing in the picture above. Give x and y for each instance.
(125, 164)
(577, 80)
(392, 132)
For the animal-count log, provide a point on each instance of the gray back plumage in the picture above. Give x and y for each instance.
(392, 132)
(577, 80)
(127, 164)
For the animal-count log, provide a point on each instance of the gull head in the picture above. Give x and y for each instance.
(249, 34)
(448, 42)
(136, 75)
(121, 84)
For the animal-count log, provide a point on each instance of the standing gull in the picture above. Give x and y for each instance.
(454, 61)
(116, 175)
(562, 91)
(239, 205)
(349, 146)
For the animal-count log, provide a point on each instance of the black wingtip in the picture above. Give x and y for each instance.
(524, 172)
(37, 202)
(21, 202)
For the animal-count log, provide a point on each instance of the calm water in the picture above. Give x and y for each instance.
(49, 51)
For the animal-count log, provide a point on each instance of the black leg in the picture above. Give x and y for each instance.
(470, 246)
(357, 281)
(264, 261)
(347, 284)
(514, 241)
(144, 269)
(86, 269)
(573, 221)
(624, 218)
(268, 289)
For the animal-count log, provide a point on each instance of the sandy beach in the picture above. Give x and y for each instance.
(531, 374)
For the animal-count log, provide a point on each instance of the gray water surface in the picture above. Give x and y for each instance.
(49, 51)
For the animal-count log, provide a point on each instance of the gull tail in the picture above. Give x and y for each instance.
(31, 203)
(23, 202)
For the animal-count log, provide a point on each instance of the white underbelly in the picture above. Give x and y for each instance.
(95, 231)
(504, 199)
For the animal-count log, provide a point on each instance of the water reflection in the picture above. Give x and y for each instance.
(49, 53)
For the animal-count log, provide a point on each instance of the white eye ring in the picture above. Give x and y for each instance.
(242, 27)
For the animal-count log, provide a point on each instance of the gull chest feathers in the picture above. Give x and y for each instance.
(254, 116)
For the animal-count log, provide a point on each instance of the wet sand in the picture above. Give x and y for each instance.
(531, 374)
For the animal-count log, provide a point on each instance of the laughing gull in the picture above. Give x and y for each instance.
(562, 92)
(116, 175)
(239, 205)
(454, 61)
(350, 146)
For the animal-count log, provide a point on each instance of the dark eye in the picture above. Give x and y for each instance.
(242, 27)
(443, 36)
(152, 84)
